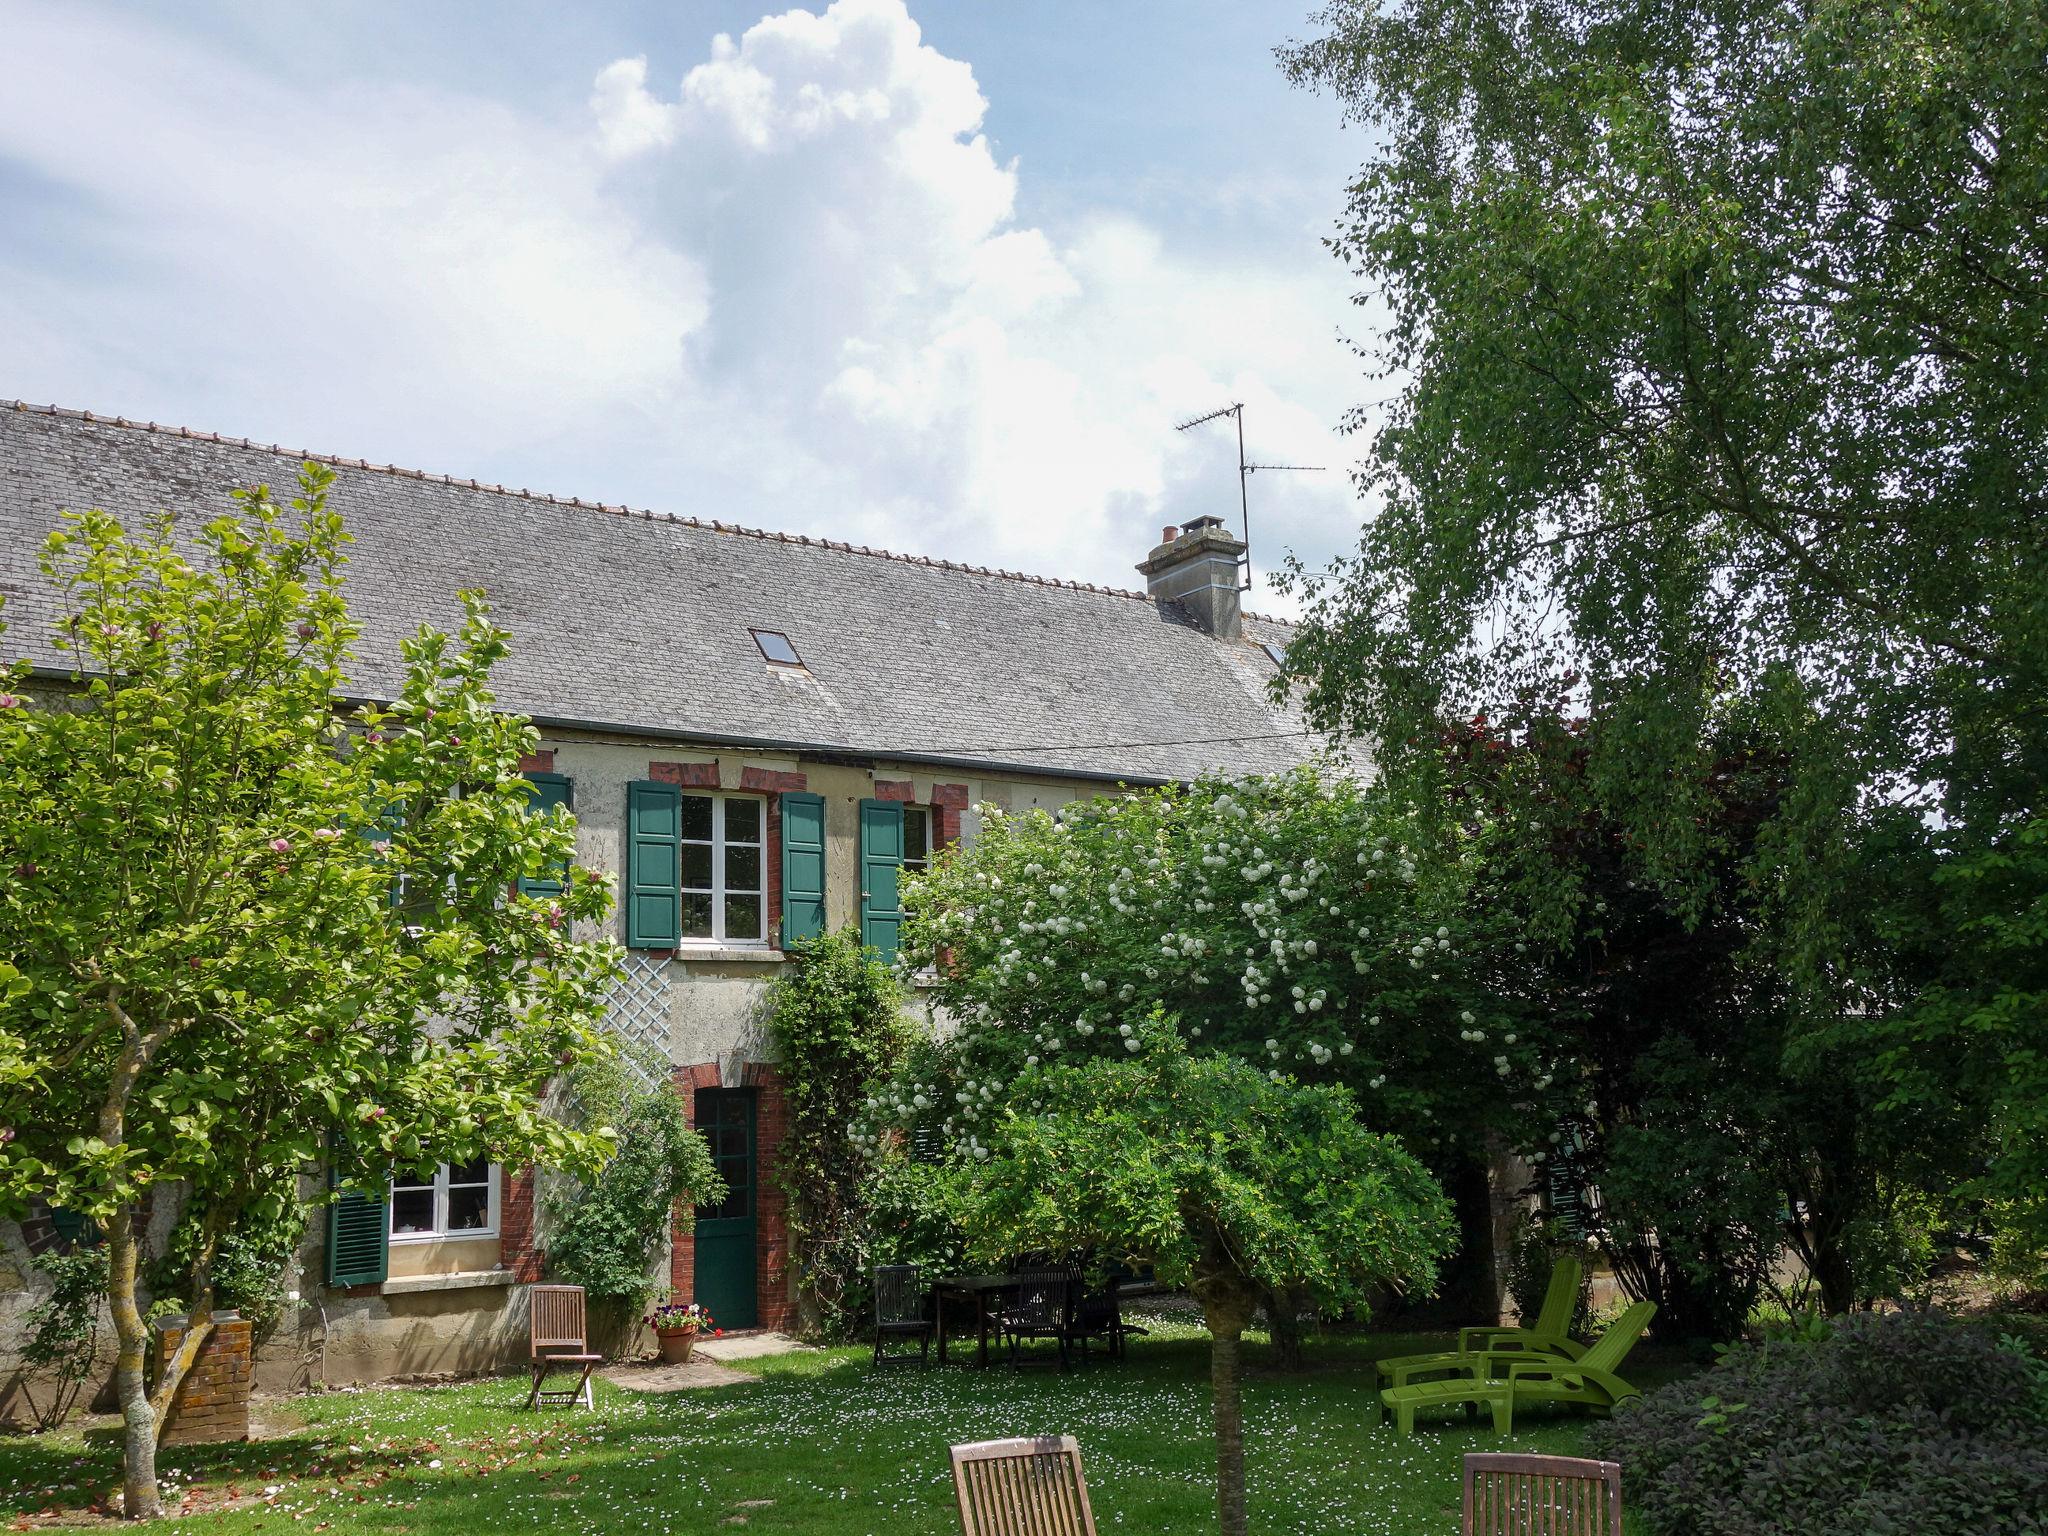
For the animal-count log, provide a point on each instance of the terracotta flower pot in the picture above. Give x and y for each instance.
(676, 1344)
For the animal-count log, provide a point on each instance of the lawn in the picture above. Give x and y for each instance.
(815, 1444)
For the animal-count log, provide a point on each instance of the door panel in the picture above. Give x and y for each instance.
(726, 1231)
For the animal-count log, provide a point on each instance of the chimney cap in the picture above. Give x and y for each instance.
(1200, 524)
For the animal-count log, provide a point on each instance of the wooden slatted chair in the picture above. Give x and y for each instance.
(1030, 1487)
(901, 1314)
(559, 1342)
(1518, 1495)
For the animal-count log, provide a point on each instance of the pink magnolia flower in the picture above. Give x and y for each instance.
(280, 845)
(327, 834)
(10, 701)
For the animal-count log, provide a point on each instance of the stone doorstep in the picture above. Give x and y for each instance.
(750, 1345)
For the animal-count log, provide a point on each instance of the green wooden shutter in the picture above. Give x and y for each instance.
(384, 829)
(549, 791)
(881, 870)
(803, 866)
(358, 1240)
(654, 866)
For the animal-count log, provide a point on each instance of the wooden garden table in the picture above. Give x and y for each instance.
(975, 1288)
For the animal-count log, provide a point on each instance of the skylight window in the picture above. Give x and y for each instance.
(1277, 652)
(776, 647)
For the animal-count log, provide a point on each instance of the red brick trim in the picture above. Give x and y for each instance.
(895, 789)
(516, 1250)
(538, 762)
(682, 1228)
(952, 797)
(771, 875)
(688, 775)
(777, 1309)
(773, 781)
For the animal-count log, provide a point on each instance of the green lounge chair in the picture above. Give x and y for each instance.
(1548, 1339)
(1588, 1381)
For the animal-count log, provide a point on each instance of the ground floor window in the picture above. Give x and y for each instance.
(461, 1200)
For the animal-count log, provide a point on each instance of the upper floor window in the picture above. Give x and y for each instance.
(722, 849)
(461, 1200)
(917, 837)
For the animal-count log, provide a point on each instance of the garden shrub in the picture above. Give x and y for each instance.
(1892, 1422)
(250, 1261)
(835, 1019)
(605, 1235)
(1534, 1247)
(62, 1332)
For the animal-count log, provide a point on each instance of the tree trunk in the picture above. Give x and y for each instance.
(198, 1324)
(1227, 1305)
(1283, 1318)
(139, 1497)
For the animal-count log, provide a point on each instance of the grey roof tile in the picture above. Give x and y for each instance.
(640, 621)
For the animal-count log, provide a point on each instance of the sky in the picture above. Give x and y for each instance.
(937, 277)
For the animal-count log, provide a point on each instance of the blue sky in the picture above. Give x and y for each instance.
(932, 276)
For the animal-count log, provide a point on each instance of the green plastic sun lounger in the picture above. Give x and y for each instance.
(1504, 1381)
(1548, 1338)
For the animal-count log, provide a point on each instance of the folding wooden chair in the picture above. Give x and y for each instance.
(558, 1340)
(1031, 1487)
(1517, 1495)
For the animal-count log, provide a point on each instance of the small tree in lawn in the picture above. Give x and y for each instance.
(1229, 1180)
(246, 935)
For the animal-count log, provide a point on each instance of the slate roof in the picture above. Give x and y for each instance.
(639, 622)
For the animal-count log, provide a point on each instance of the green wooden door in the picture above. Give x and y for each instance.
(725, 1232)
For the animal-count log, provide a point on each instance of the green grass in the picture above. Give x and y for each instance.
(816, 1443)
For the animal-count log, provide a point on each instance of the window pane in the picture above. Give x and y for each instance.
(697, 816)
(917, 835)
(743, 917)
(743, 821)
(477, 1172)
(469, 1208)
(412, 1210)
(776, 647)
(742, 869)
(697, 866)
(697, 917)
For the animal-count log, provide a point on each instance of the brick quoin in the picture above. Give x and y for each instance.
(516, 1250)
(772, 781)
(686, 775)
(682, 1229)
(538, 762)
(948, 801)
(895, 789)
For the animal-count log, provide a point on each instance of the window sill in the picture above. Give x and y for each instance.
(744, 954)
(465, 1235)
(461, 1280)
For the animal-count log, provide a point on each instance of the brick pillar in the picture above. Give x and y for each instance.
(213, 1400)
(771, 1206)
(682, 1228)
(516, 1236)
(948, 801)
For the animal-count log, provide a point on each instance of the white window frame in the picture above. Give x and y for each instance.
(493, 1183)
(719, 890)
(931, 828)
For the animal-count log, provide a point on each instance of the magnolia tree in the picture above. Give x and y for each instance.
(1226, 1178)
(1302, 923)
(247, 935)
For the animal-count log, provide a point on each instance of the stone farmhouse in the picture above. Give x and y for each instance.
(757, 733)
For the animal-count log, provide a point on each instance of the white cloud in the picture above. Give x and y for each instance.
(790, 289)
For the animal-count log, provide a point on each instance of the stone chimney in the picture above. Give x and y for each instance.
(1196, 569)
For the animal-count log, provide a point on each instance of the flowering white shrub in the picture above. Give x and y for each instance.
(1297, 922)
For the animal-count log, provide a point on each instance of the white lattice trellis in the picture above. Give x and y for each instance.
(637, 1011)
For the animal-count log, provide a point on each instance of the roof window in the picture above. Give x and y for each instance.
(1277, 652)
(776, 647)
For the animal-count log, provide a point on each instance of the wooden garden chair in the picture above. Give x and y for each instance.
(1503, 1382)
(1548, 1337)
(1030, 1487)
(1043, 1309)
(1515, 1495)
(900, 1314)
(559, 1341)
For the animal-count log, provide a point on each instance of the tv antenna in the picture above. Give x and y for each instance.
(1245, 470)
